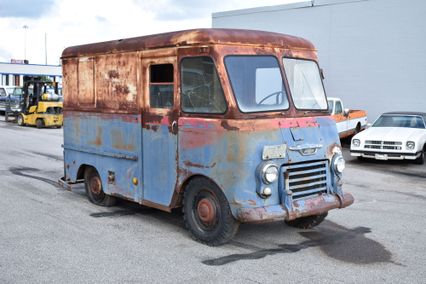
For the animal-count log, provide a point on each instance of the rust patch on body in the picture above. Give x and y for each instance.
(194, 165)
(113, 74)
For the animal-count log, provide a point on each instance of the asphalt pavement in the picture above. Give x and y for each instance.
(50, 235)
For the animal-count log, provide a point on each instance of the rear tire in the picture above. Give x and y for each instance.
(207, 214)
(307, 222)
(21, 120)
(39, 123)
(94, 190)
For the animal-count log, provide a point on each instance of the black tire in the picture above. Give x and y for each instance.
(39, 123)
(207, 214)
(358, 128)
(95, 193)
(421, 160)
(307, 222)
(21, 120)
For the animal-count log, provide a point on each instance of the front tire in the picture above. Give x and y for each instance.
(307, 222)
(94, 190)
(421, 160)
(21, 120)
(207, 214)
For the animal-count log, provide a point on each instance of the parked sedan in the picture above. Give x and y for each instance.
(393, 136)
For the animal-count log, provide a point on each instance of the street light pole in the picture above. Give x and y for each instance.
(45, 48)
(25, 27)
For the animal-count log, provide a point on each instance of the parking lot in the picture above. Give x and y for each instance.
(48, 234)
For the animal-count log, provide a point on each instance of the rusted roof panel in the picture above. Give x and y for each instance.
(191, 37)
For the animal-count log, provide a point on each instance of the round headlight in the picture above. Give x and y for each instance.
(356, 142)
(339, 164)
(269, 173)
(410, 145)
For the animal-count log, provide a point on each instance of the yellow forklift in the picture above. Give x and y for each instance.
(41, 105)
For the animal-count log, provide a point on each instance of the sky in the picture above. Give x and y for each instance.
(73, 22)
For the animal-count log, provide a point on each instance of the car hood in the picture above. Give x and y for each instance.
(391, 133)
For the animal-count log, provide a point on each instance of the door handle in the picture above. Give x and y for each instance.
(174, 127)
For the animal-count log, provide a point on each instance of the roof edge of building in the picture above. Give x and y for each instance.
(291, 6)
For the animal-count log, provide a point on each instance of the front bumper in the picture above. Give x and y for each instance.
(301, 208)
(385, 155)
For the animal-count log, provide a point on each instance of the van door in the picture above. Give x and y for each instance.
(159, 132)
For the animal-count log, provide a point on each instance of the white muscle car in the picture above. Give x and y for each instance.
(394, 135)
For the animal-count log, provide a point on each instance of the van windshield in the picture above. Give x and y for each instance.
(305, 83)
(257, 83)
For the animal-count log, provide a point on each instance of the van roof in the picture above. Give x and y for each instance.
(191, 37)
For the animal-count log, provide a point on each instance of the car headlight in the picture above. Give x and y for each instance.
(269, 173)
(356, 142)
(410, 145)
(339, 164)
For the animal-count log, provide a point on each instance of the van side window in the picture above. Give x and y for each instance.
(161, 86)
(338, 107)
(201, 88)
(2, 92)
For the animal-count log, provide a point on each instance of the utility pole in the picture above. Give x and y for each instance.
(25, 27)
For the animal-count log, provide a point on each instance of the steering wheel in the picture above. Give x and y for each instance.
(276, 94)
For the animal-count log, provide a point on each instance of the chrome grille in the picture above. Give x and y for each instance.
(383, 145)
(306, 179)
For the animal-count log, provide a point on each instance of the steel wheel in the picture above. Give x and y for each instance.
(207, 214)
(94, 190)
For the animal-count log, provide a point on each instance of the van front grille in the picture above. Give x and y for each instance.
(306, 179)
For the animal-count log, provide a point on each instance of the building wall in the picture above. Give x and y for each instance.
(11, 74)
(372, 51)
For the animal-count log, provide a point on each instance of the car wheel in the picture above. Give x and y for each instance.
(358, 128)
(39, 123)
(94, 190)
(207, 214)
(307, 222)
(21, 120)
(421, 160)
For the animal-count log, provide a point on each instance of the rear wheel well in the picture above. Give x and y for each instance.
(82, 169)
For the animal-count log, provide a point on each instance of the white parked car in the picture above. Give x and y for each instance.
(394, 135)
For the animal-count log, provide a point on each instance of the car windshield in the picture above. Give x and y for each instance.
(16, 92)
(257, 83)
(409, 121)
(330, 106)
(305, 84)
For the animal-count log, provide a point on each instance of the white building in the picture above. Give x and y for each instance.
(373, 52)
(12, 74)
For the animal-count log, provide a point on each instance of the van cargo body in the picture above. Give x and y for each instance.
(219, 122)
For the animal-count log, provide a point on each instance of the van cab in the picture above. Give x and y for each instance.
(232, 126)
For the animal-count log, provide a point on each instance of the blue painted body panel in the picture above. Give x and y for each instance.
(159, 163)
(108, 142)
(163, 161)
(231, 158)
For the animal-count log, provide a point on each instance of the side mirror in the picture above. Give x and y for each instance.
(346, 112)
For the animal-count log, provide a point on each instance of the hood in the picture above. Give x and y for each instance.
(390, 133)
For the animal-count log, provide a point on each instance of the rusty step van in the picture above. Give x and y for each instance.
(232, 126)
